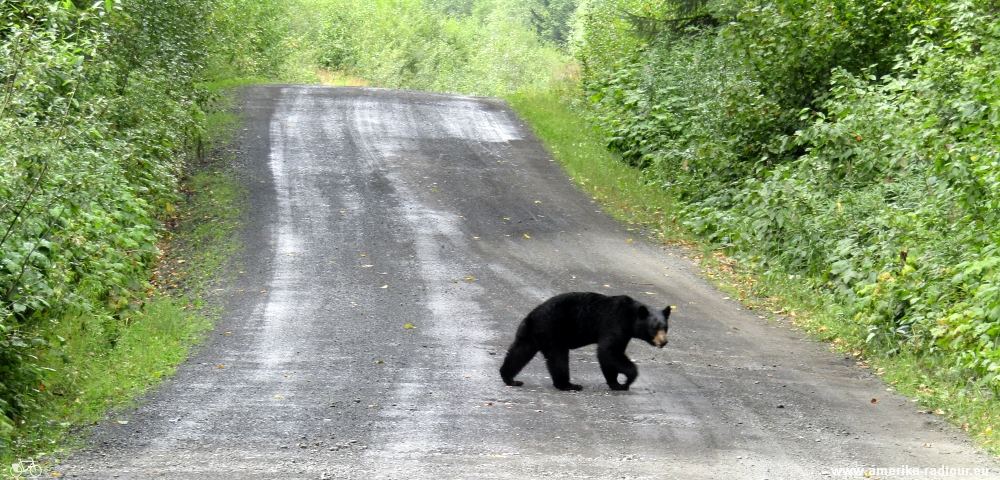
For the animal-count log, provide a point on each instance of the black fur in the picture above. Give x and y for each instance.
(572, 320)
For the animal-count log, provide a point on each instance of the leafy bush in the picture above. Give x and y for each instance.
(851, 143)
(486, 48)
(99, 109)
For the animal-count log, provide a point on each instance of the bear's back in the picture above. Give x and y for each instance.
(575, 319)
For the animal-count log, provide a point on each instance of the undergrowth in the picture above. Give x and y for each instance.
(633, 196)
(104, 107)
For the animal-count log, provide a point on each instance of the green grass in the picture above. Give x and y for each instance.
(626, 193)
(631, 196)
(101, 364)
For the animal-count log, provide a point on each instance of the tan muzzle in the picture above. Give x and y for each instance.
(660, 339)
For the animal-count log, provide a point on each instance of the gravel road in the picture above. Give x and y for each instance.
(373, 210)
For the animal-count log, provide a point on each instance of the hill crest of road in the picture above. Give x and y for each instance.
(394, 241)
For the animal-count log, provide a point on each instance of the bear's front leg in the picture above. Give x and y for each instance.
(613, 361)
(557, 361)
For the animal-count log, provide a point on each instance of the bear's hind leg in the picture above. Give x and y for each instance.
(557, 361)
(614, 362)
(518, 355)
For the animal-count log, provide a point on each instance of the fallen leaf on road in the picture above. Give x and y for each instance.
(278, 396)
(539, 411)
(378, 362)
(220, 366)
(526, 235)
(469, 279)
(409, 326)
(490, 404)
(939, 411)
(538, 201)
(123, 422)
(629, 240)
(363, 255)
(367, 266)
(874, 400)
(384, 286)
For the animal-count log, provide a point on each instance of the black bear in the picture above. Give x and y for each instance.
(572, 320)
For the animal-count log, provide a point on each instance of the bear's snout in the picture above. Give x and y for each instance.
(660, 339)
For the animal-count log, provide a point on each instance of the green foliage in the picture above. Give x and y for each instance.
(624, 192)
(100, 109)
(553, 20)
(851, 144)
(484, 47)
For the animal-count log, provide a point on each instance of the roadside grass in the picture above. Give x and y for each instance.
(340, 79)
(102, 363)
(630, 195)
(625, 192)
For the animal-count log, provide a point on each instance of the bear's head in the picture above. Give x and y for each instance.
(652, 325)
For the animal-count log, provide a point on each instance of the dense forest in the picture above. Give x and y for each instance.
(849, 147)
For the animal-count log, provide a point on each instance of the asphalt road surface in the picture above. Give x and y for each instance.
(372, 210)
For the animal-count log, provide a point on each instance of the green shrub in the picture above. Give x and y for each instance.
(487, 48)
(851, 144)
(100, 108)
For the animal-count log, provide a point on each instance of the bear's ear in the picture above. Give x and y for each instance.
(666, 311)
(642, 311)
